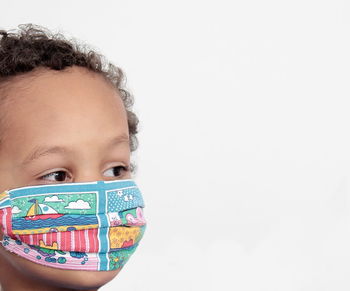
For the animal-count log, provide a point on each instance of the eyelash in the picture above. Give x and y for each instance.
(121, 168)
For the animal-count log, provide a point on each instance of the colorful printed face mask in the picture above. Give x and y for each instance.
(80, 226)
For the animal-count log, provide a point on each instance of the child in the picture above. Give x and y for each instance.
(66, 120)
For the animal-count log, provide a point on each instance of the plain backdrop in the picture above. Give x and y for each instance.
(244, 156)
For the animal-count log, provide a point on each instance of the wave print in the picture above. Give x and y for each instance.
(22, 223)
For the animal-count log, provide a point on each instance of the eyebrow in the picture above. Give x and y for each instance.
(43, 151)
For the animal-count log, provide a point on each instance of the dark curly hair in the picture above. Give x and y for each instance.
(32, 46)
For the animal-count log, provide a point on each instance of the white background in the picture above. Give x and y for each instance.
(244, 157)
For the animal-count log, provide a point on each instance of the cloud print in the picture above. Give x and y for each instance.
(53, 199)
(16, 210)
(79, 204)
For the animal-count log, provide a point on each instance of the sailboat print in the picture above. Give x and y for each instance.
(41, 211)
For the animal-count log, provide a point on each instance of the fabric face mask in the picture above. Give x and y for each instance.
(93, 226)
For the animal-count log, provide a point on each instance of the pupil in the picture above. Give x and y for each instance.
(60, 176)
(116, 171)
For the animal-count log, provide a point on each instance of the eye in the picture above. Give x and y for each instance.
(116, 171)
(58, 176)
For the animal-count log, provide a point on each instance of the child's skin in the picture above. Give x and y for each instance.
(80, 112)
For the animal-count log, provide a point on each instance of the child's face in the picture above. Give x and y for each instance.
(63, 126)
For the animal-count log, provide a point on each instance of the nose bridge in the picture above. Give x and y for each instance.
(87, 178)
(88, 175)
(87, 172)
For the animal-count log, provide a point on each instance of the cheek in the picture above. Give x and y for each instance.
(10, 179)
(12, 176)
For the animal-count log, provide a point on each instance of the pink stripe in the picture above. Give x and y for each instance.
(49, 238)
(59, 242)
(1, 216)
(82, 241)
(9, 222)
(65, 239)
(72, 240)
(4, 220)
(39, 238)
(76, 240)
(92, 239)
(54, 238)
(95, 241)
(86, 234)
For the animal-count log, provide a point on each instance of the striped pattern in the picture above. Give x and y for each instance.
(65, 260)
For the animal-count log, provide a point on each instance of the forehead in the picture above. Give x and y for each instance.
(74, 105)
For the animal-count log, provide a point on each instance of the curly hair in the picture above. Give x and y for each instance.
(32, 46)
